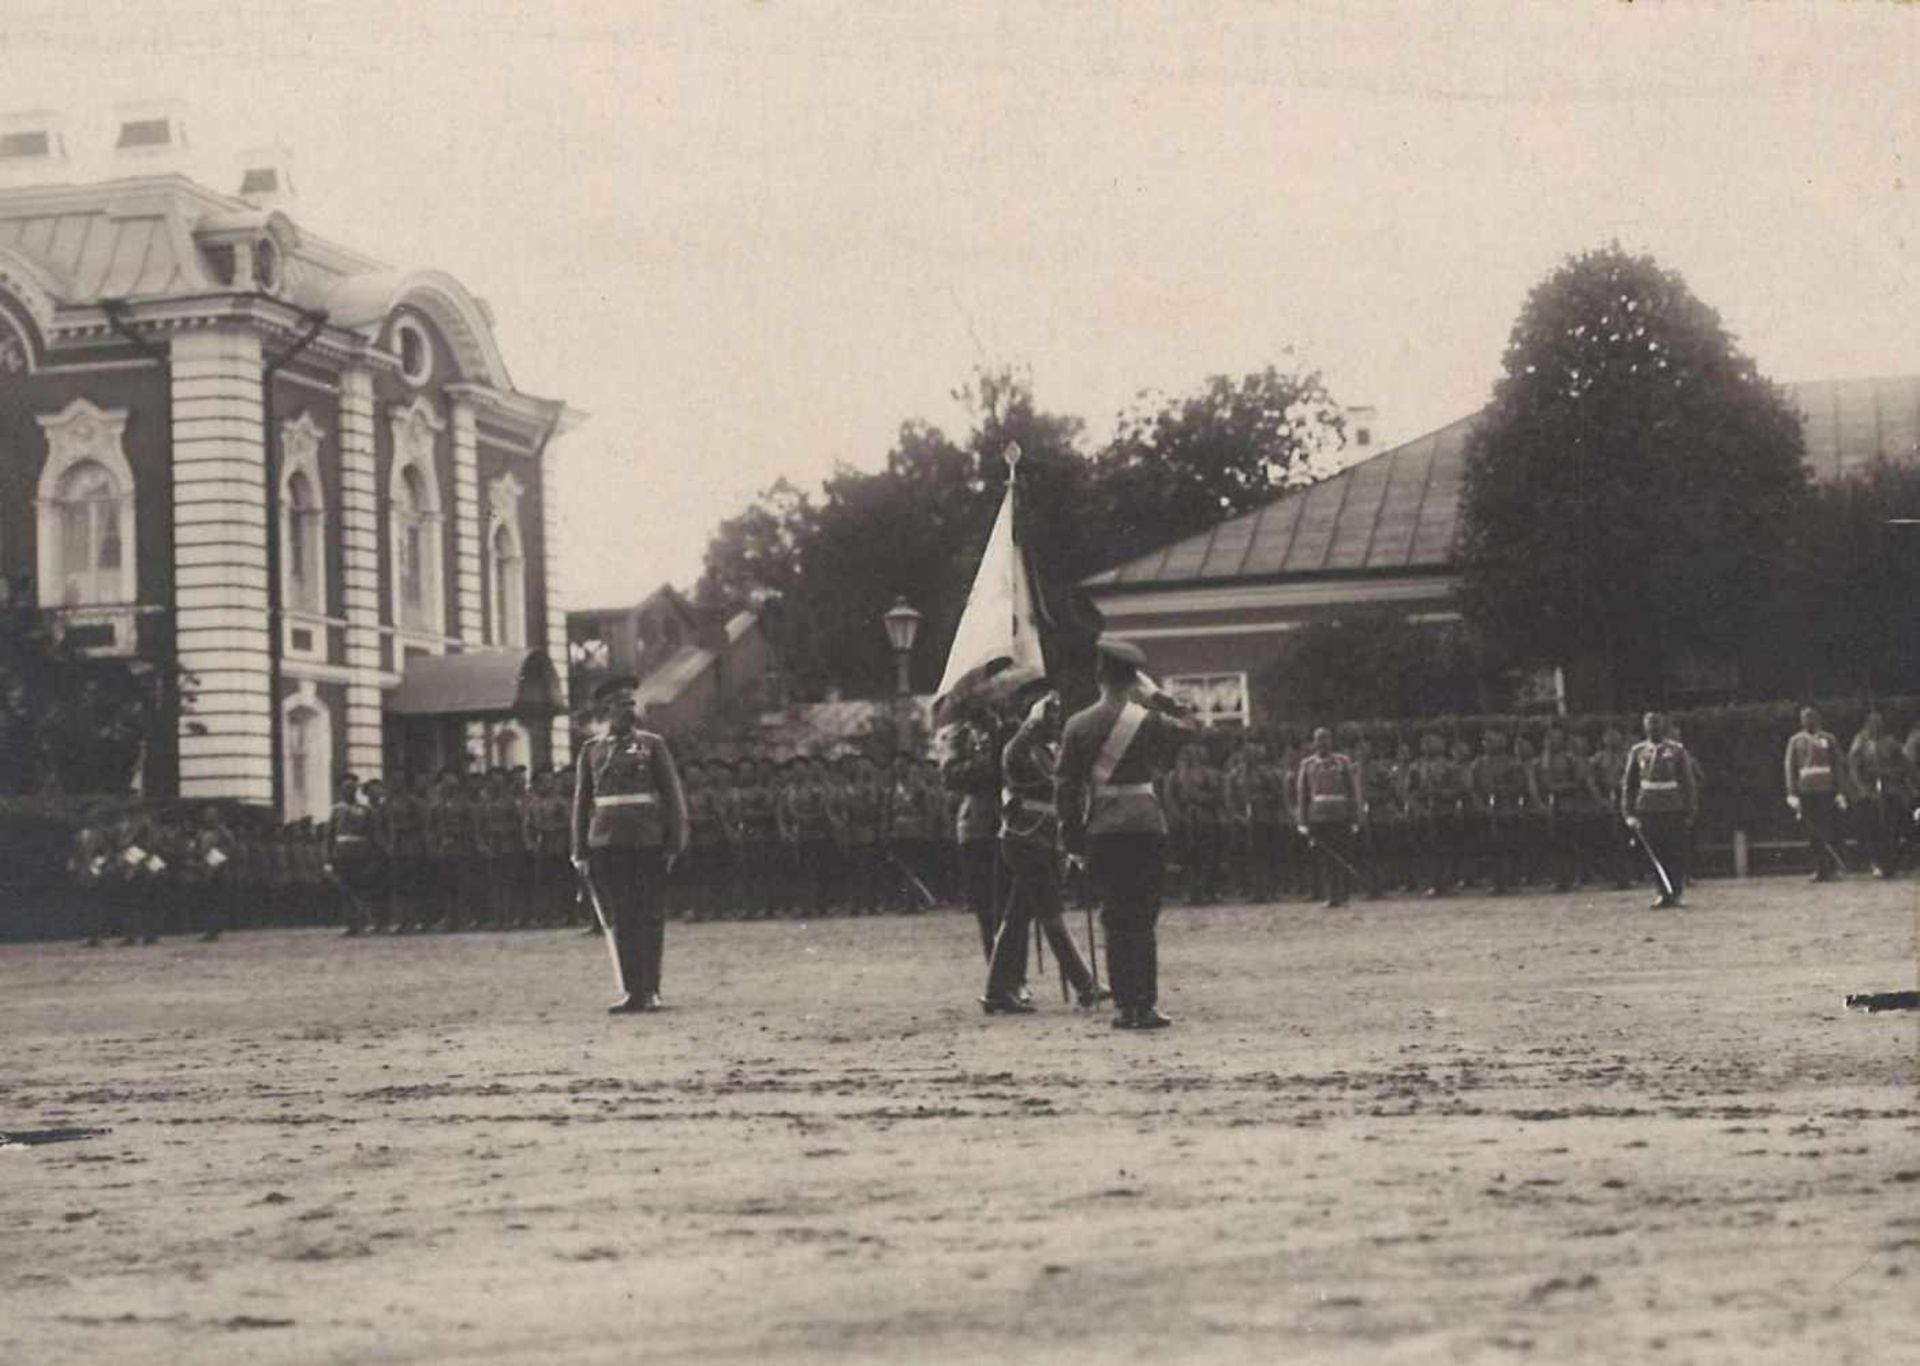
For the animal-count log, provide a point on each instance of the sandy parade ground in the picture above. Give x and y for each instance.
(1543, 1128)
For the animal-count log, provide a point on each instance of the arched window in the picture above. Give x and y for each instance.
(306, 539)
(414, 522)
(86, 510)
(91, 551)
(307, 736)
(303, 517)
(510, 747)
(509, 588)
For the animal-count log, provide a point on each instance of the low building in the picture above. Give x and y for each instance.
(1213, 611)
(692, 666)
(300, 476)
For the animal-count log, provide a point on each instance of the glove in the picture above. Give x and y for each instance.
(1303, 830)
(1633, 822)
(1841, 801)
(1793, 802)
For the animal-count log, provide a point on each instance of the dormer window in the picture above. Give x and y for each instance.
(145, 133)
(266, 266)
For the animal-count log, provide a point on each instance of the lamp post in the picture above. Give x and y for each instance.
(903, 625)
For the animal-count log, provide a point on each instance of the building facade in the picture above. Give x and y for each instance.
(691, 666)
(1213, 611)
(293, 473)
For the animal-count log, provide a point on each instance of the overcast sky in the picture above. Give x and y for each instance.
(750, 239)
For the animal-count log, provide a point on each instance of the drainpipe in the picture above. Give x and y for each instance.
(276, 643)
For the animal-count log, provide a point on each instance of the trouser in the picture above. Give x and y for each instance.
(1817, 813)
(1504, 831)
(980, 886)
(1885, 816)
(1126, 870)
(819, 860)
(1260, 864)
(629, 885)
(1333, 854)
(1442, 834)
(358, 877)
(132, 910)
(1668, 837)
(1033, 896)
(1204, 845)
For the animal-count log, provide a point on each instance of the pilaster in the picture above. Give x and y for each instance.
(555, 607)
(466, 521)
(360, 572)
(220, 565)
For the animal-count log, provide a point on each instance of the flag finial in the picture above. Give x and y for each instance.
(1012, 456)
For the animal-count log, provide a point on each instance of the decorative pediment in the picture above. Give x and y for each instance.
(81, 431)
(414, 428)
(300, 439)
(503, 499)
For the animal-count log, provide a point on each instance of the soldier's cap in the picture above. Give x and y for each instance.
(1124, 650)
(607, 687)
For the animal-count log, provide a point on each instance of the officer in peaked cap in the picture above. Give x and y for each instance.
(629, 825)
(1109, 814)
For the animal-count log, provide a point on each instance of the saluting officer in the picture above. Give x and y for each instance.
(971, 771)
(1109, 814)
(1029, 840)
(1659, 800)
(1816, 784)
(629, 825)
(1330, 806)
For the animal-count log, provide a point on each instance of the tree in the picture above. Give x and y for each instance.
(1372, 666)
(1631, 486)
(69, 723)
(1178, 466)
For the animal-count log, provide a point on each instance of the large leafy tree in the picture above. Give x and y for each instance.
(1630, 489)
(1178, 465)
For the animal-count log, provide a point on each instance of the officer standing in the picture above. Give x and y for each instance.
(1658, 802)
(352, 858)
(1815, 784)
(972, 771)
(1029, 841)
(1502, 786)
(629, 825)
(1330, 806)
(1109, 815)
(1563, 779)
(1884, 779)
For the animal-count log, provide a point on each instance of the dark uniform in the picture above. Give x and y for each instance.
(810, 824)
(1383, 825)
(1502, 790)
(211, 871)
(863, 811)
(1110, 754)
(89, 866)
(972, 772)
(629, 821)
(1884, 779)
(1196, 802)
(1573, 810)
(353, 856)
(1618, 856)
(1030, 844)
(1816, 784)
(756, 802)
(1659, 800)
(910, 827)
(1330, 801)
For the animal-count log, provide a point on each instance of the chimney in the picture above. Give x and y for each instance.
(150, 137)
(266, 177)
(33, 147)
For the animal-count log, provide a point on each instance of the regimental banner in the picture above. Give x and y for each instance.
(997, 645)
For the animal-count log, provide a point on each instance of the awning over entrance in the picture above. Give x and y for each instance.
(481, 683)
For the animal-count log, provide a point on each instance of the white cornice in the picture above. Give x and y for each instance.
(74, 327)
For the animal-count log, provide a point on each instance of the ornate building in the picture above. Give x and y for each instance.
(303, 477)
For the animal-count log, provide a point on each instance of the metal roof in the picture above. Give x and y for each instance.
(1399, 511)
(479, 683)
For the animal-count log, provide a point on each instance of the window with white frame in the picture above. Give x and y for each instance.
(307, 738)
(1217, 699)
(414, 523)
(86, 510)
(507, 564)
(303, 518)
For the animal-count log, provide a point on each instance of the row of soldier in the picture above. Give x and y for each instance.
(816, 836)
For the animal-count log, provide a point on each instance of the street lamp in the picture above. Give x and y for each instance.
(903, 624)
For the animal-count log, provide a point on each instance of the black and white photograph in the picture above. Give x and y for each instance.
(802, 681)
